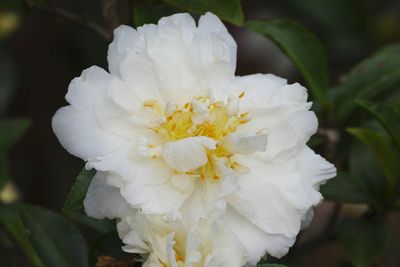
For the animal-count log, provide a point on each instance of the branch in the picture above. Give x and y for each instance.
(110, 13)
(71, 17)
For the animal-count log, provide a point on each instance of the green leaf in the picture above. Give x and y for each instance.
(345, 188)
(102, 226)
(73, 206)
(364, 240)
(302, 47)
(375, 76)
(11, 221)
(228, 10)
(146, 12)
(57, 242)
(108, 245)
(387, 115)
(381, 150)
(11, 131)
(78, 191)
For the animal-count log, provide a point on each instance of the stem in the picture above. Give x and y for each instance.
(98, 29)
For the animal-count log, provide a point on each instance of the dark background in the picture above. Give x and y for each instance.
(44, 52)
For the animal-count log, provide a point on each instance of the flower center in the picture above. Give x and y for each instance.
(202, 117)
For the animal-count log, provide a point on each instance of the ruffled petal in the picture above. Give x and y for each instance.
(174, 59)
(272, 196)
(276, 109)
(187, 154)
(78, 126)
(104, 201)
(81, 135)
(256, 241)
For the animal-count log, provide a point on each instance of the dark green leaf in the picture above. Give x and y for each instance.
(108, 245)
(387, 115)
(345, 188)
(228, 10)
(57, 242)
(78, 191)
(364, 240)
(373, 77)
(371, 180)
(381, 150)
(302, 47)
(11, 131)
(102, 226)
(11, 221)
(145, 13)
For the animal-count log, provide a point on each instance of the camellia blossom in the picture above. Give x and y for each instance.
(174, 133)
(174, 244)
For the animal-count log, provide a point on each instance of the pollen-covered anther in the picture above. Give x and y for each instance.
(203, 118)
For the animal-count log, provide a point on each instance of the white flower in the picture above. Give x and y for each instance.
(176, 132)
(176, 244)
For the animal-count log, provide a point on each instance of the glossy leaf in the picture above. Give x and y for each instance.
(302, 47)
(346, 188)
(381, 150)
(101, 226)
(228, 10)
(387, 115)
(375, 76)
(57, 242)
(11, 221)
(11, 131)
(78, 191)
(364, 240)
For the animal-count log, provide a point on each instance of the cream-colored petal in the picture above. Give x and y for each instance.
(104, 201)
(272, 196)
(187, 154)
(256, 241)
(76, 126)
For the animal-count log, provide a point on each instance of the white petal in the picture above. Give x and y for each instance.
(279, 110)
(104, 201)
(256, 241)
(80, 134)
(272, 196)
(144, 182)
(187, 154)
(315, 169)
(208, 197)
(171, 251)
(182, 182)
(219, 246)
(154, 199)
(124, 41)
(257, 88)
(77, 126)
(174, 59)
(131, 165)
(246, 144)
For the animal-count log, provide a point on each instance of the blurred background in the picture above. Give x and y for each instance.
(45, 44)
